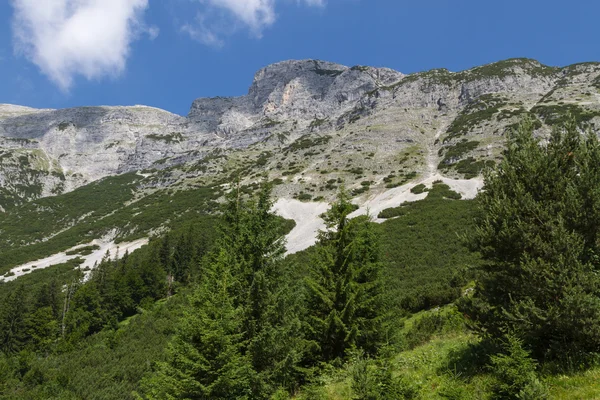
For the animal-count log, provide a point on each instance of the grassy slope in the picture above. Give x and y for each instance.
(422, 251)
(50, 225)
(441, 369)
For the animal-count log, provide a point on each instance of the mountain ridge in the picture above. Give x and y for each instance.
(46, 152)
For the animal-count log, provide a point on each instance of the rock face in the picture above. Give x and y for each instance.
(403, 124)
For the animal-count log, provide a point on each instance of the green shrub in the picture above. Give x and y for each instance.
(304, 197)
(313, 392)
(420, 188)
(84, 251)
(516, 372)
(374, 380)
(443, 191)
(392, 212)
(432, 323)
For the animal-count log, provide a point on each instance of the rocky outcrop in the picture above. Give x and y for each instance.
(360, 107)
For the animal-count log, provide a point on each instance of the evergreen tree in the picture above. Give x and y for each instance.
(344, 288)
(251, 329)
(270, 301)
(183, 255)
(538, 235)
(44, 320)
(13, 326)
(205, 357)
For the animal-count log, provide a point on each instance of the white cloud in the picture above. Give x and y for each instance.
(256, 14)
(218, 18)
(317, 3)
(65, 38)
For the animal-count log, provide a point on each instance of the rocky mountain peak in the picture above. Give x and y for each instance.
(404, 125)
(280, 74)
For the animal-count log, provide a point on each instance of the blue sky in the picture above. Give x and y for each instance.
(166, 53)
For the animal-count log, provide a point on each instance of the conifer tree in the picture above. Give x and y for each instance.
(538, 234)
(241, 335)
(13, 321)
(205, 357)
(344, 288)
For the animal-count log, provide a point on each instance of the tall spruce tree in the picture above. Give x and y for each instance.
(344, 287)
(206, 360)
(539, 236)
(250, 330)
(13, 310)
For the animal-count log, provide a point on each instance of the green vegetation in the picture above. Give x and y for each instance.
(502, 69)
(492, 298)
(558, 115)
(404, 178)
(88, 213)
(174, 137)
(420, 188)
(84, 251)
(24, 172)
(538, 236)
(306, 143)
(471, 168)
(497, 70)
(344, 289)
(481, 110)
(468, 167)
(304, 197)
(423, 251)
(455, 152)
(240, 328)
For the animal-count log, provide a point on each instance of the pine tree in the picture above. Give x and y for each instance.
(270, 317)
(44, 320)
(183, 255)
(205, 357)
(241, 335)
(13, 321)
(538, 235)
(344, 288)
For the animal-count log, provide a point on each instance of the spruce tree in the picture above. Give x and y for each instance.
(271, 307)
(205, 357)
(538, 234)
(13, 326)
(344, 287)
(240, 337)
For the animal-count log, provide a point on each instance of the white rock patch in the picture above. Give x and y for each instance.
(308, 215)
(91, 260)
(308, 222)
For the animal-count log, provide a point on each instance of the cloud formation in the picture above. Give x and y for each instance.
(65, 38)
(219, 18)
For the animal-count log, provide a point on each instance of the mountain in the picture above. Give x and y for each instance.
(307, 125)
(114, 256)
(360, 109)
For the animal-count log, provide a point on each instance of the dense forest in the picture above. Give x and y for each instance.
(492, 298)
